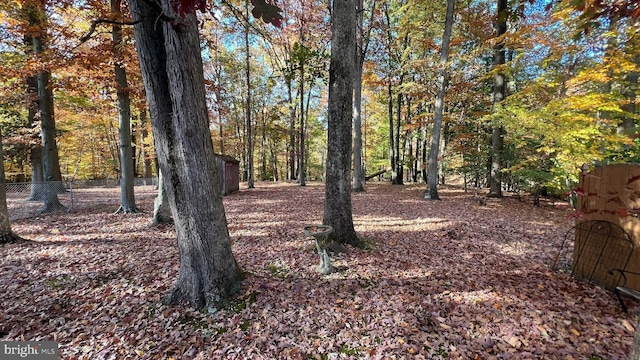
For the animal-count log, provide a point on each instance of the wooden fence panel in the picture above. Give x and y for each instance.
(610, 193)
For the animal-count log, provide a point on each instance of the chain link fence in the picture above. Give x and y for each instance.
(26, 200)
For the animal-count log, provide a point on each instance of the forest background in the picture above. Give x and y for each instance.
(570, 91)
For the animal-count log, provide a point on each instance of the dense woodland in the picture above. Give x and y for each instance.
(570, 83)
(507, 95)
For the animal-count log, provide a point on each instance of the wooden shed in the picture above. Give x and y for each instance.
(608, 235)
(228, 173)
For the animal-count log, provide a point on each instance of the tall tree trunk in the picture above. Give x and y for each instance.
(263, 145)
(392, 139)
(37, 176)
(146, 159)
(358, 164)
(301, 157)
(249, 163)
(171, 67)
(50, 160)
(337, 205)
(6, 235)
(424, 158)
(399, 170)
(292, 133)
(127, 195)
(432, 173)
(499, 93)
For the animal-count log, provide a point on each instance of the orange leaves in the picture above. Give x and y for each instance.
(429, 295)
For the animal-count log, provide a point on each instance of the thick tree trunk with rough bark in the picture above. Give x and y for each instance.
(171, 65)
(432, 173)
(337, 205)
(127, 195)
(50, 160)
(37, 175)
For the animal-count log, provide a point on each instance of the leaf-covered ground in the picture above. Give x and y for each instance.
(441, 279)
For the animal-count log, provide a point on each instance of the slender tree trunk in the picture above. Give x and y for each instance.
(127, 195)
(263, 145)
(146, 159)
(6, 235)
(174, 82)
(337, 205)
(301, 157)
(499, 93)
(398, 180)
(358, 171)
(432, 173)
(249, 163)
(392, 139)
(292, 133)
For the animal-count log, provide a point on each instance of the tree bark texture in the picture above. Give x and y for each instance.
(337, 206)
(37, 175)
(50, 159)
(292, 133)
(432, 173)
(127, 195)
(249, 163)
(499, 93)
(172, 72)
(301, 158)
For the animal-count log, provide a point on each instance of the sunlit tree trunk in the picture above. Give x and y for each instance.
(362, 40)
(301, 157)
(337, 205)
(171, 66)
(249, 136)
(127, 195)
(146, 159)
(292, 133)
(432, 173)
(499, 93)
